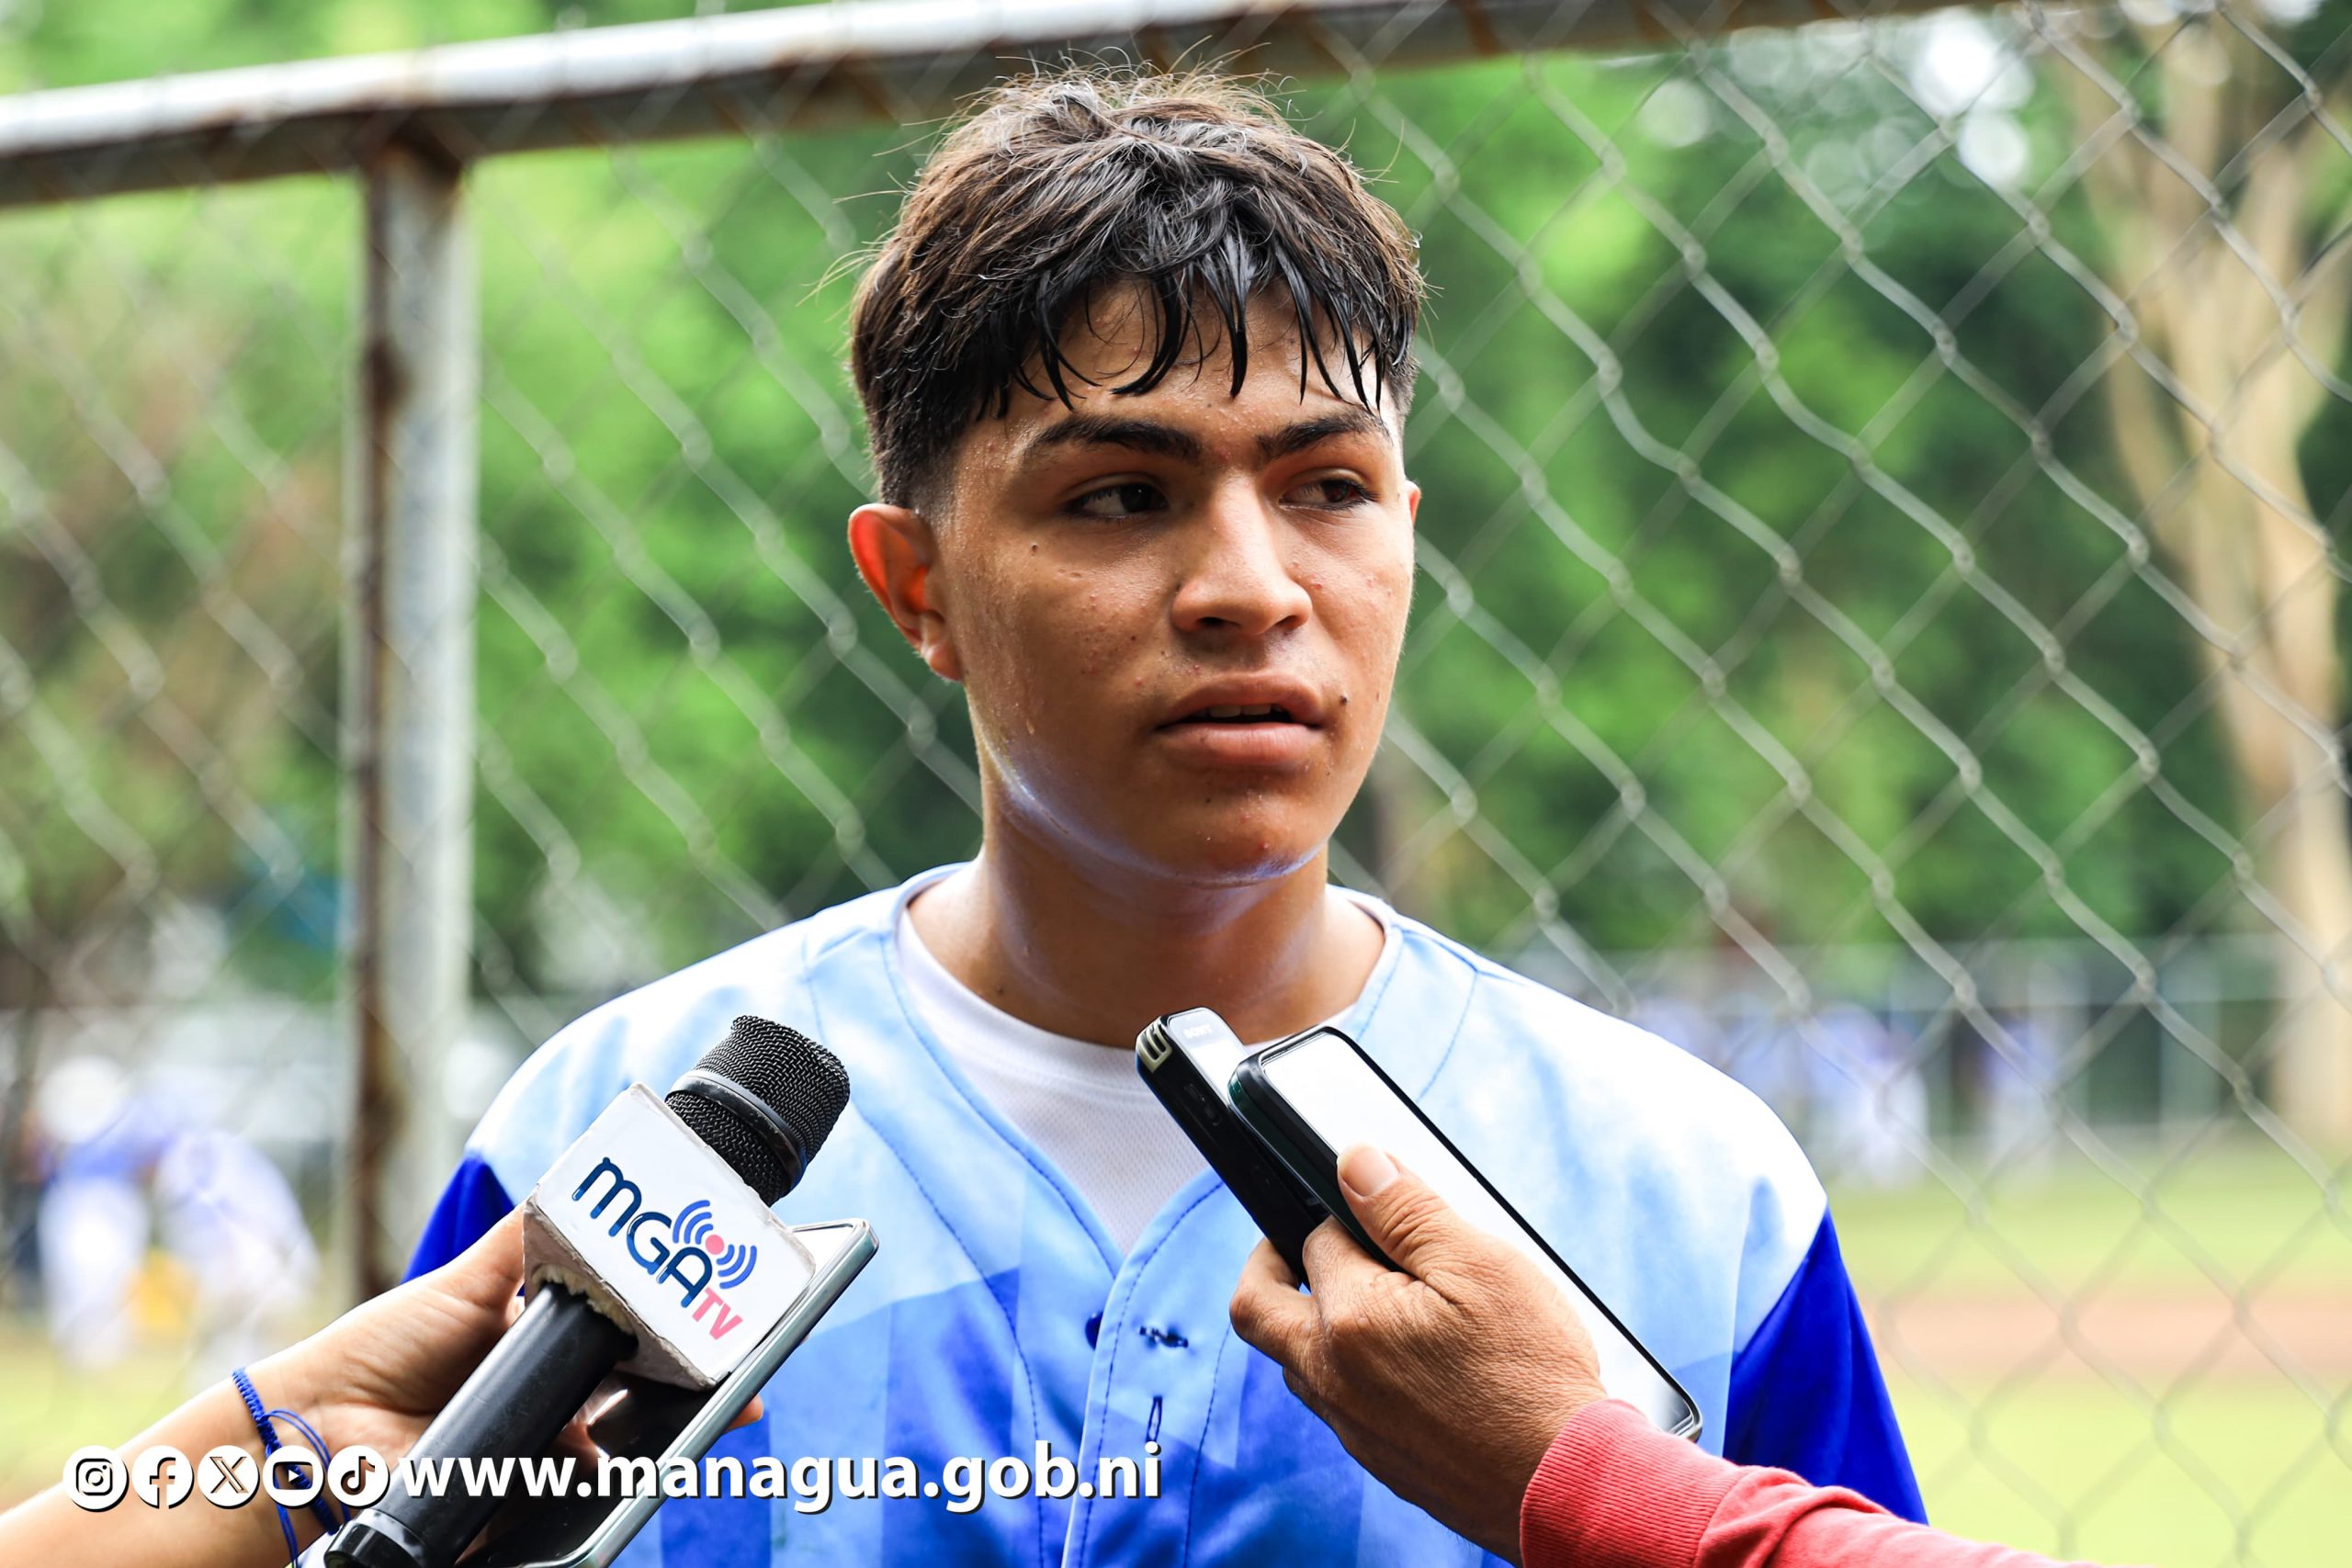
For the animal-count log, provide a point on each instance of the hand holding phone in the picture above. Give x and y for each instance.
(1449, 1379)
(1305, 1099)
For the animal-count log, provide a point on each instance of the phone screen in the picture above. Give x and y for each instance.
(1342, 1098)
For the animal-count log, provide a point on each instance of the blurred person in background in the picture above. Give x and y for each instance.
(231, 1221)
(1866, 1101)
(2021, 1082)
(94, 1219)
(1753, 1040)
(132, 1169)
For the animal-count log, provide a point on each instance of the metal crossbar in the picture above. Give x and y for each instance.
(799, 69)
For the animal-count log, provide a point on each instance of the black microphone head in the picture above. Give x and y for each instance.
(765, 1098)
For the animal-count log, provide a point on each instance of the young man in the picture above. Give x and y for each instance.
(1136, 362)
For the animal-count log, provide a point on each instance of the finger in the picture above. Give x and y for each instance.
(1306, 1393)
(1404, 1216)
(1335, 1263)
(1357, 1438)
(1276, 1265)
(488, 1270)
(1268, 1313)
(749, 1413)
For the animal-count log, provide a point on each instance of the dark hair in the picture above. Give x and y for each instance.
(1189, 187)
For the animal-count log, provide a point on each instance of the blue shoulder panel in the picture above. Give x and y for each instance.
(470, 1204)
(1806, 1396)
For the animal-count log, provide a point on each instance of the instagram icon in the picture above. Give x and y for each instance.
(95, 1479)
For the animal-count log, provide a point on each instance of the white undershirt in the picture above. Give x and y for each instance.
(1083, 1105)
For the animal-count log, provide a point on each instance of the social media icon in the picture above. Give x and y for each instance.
(227, 1477)
(95, 1479)
(292, 1477)
(359, 1476)
(163, 1477)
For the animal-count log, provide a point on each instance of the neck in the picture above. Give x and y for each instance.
(1095, 951)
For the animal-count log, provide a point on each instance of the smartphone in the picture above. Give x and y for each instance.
(1188, 1058)
(1315, 1094)
(658, 1422)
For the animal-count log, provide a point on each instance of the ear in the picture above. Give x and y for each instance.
(895, 549)
(1412, 501)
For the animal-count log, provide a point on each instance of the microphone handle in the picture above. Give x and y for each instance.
(533, 1379)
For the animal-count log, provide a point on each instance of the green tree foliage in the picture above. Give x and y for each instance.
(1778, 569)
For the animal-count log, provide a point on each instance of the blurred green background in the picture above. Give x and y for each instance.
(1799, 623)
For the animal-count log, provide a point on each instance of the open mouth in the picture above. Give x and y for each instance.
(1256, 713)
(1253, 736)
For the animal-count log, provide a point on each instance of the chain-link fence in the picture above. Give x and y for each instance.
(1878, 626)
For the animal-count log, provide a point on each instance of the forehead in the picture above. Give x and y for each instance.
(1113, 341)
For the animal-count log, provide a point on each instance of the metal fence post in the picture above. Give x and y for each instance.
(411, 568)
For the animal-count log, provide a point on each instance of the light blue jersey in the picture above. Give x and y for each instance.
(999, 1314)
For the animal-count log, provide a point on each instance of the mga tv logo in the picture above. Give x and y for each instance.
(731, 1264)
(696, 1258)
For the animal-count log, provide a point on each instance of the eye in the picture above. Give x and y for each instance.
(1112, 502)
(1331, 493)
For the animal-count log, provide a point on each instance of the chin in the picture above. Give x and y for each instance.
(1229, 853)
(1234, 837)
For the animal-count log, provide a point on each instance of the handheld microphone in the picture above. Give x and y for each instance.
(610, 1292)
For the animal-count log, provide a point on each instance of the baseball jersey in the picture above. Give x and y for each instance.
(999, 1314)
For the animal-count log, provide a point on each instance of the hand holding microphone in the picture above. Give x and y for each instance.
(443, 1360)
(621, 1231)
(379, 1374)
(376, 1376)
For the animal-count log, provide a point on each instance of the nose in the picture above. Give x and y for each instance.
(1235, 577)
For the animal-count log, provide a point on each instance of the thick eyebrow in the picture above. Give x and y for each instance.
(1168, 441)
(1298, 437)
(1108, 430)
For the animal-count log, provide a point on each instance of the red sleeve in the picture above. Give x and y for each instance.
(1614, 1491)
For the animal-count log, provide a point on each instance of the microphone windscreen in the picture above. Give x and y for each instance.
(788, 1091)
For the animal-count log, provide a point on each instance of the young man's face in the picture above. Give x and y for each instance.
(1110, 579)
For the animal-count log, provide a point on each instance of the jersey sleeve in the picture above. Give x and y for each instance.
(469, 1205)
(1806, 1396)
(1614, 1491)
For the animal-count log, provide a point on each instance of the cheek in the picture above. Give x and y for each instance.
(1396, 588)
(1052, 641)
(1103, 631)
(1367, 619)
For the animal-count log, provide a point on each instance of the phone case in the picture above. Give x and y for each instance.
(1297, 1146)
(1265, 1112)
(1170, 1056)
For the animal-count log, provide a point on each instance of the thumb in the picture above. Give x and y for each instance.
(490, 1272)
(1404, 1216)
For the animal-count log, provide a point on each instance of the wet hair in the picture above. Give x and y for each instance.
(1189, 187)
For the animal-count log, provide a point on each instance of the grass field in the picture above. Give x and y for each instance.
(46, 1414)
(2229, 1473)
(2084, 1372)
(2078, 1371)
